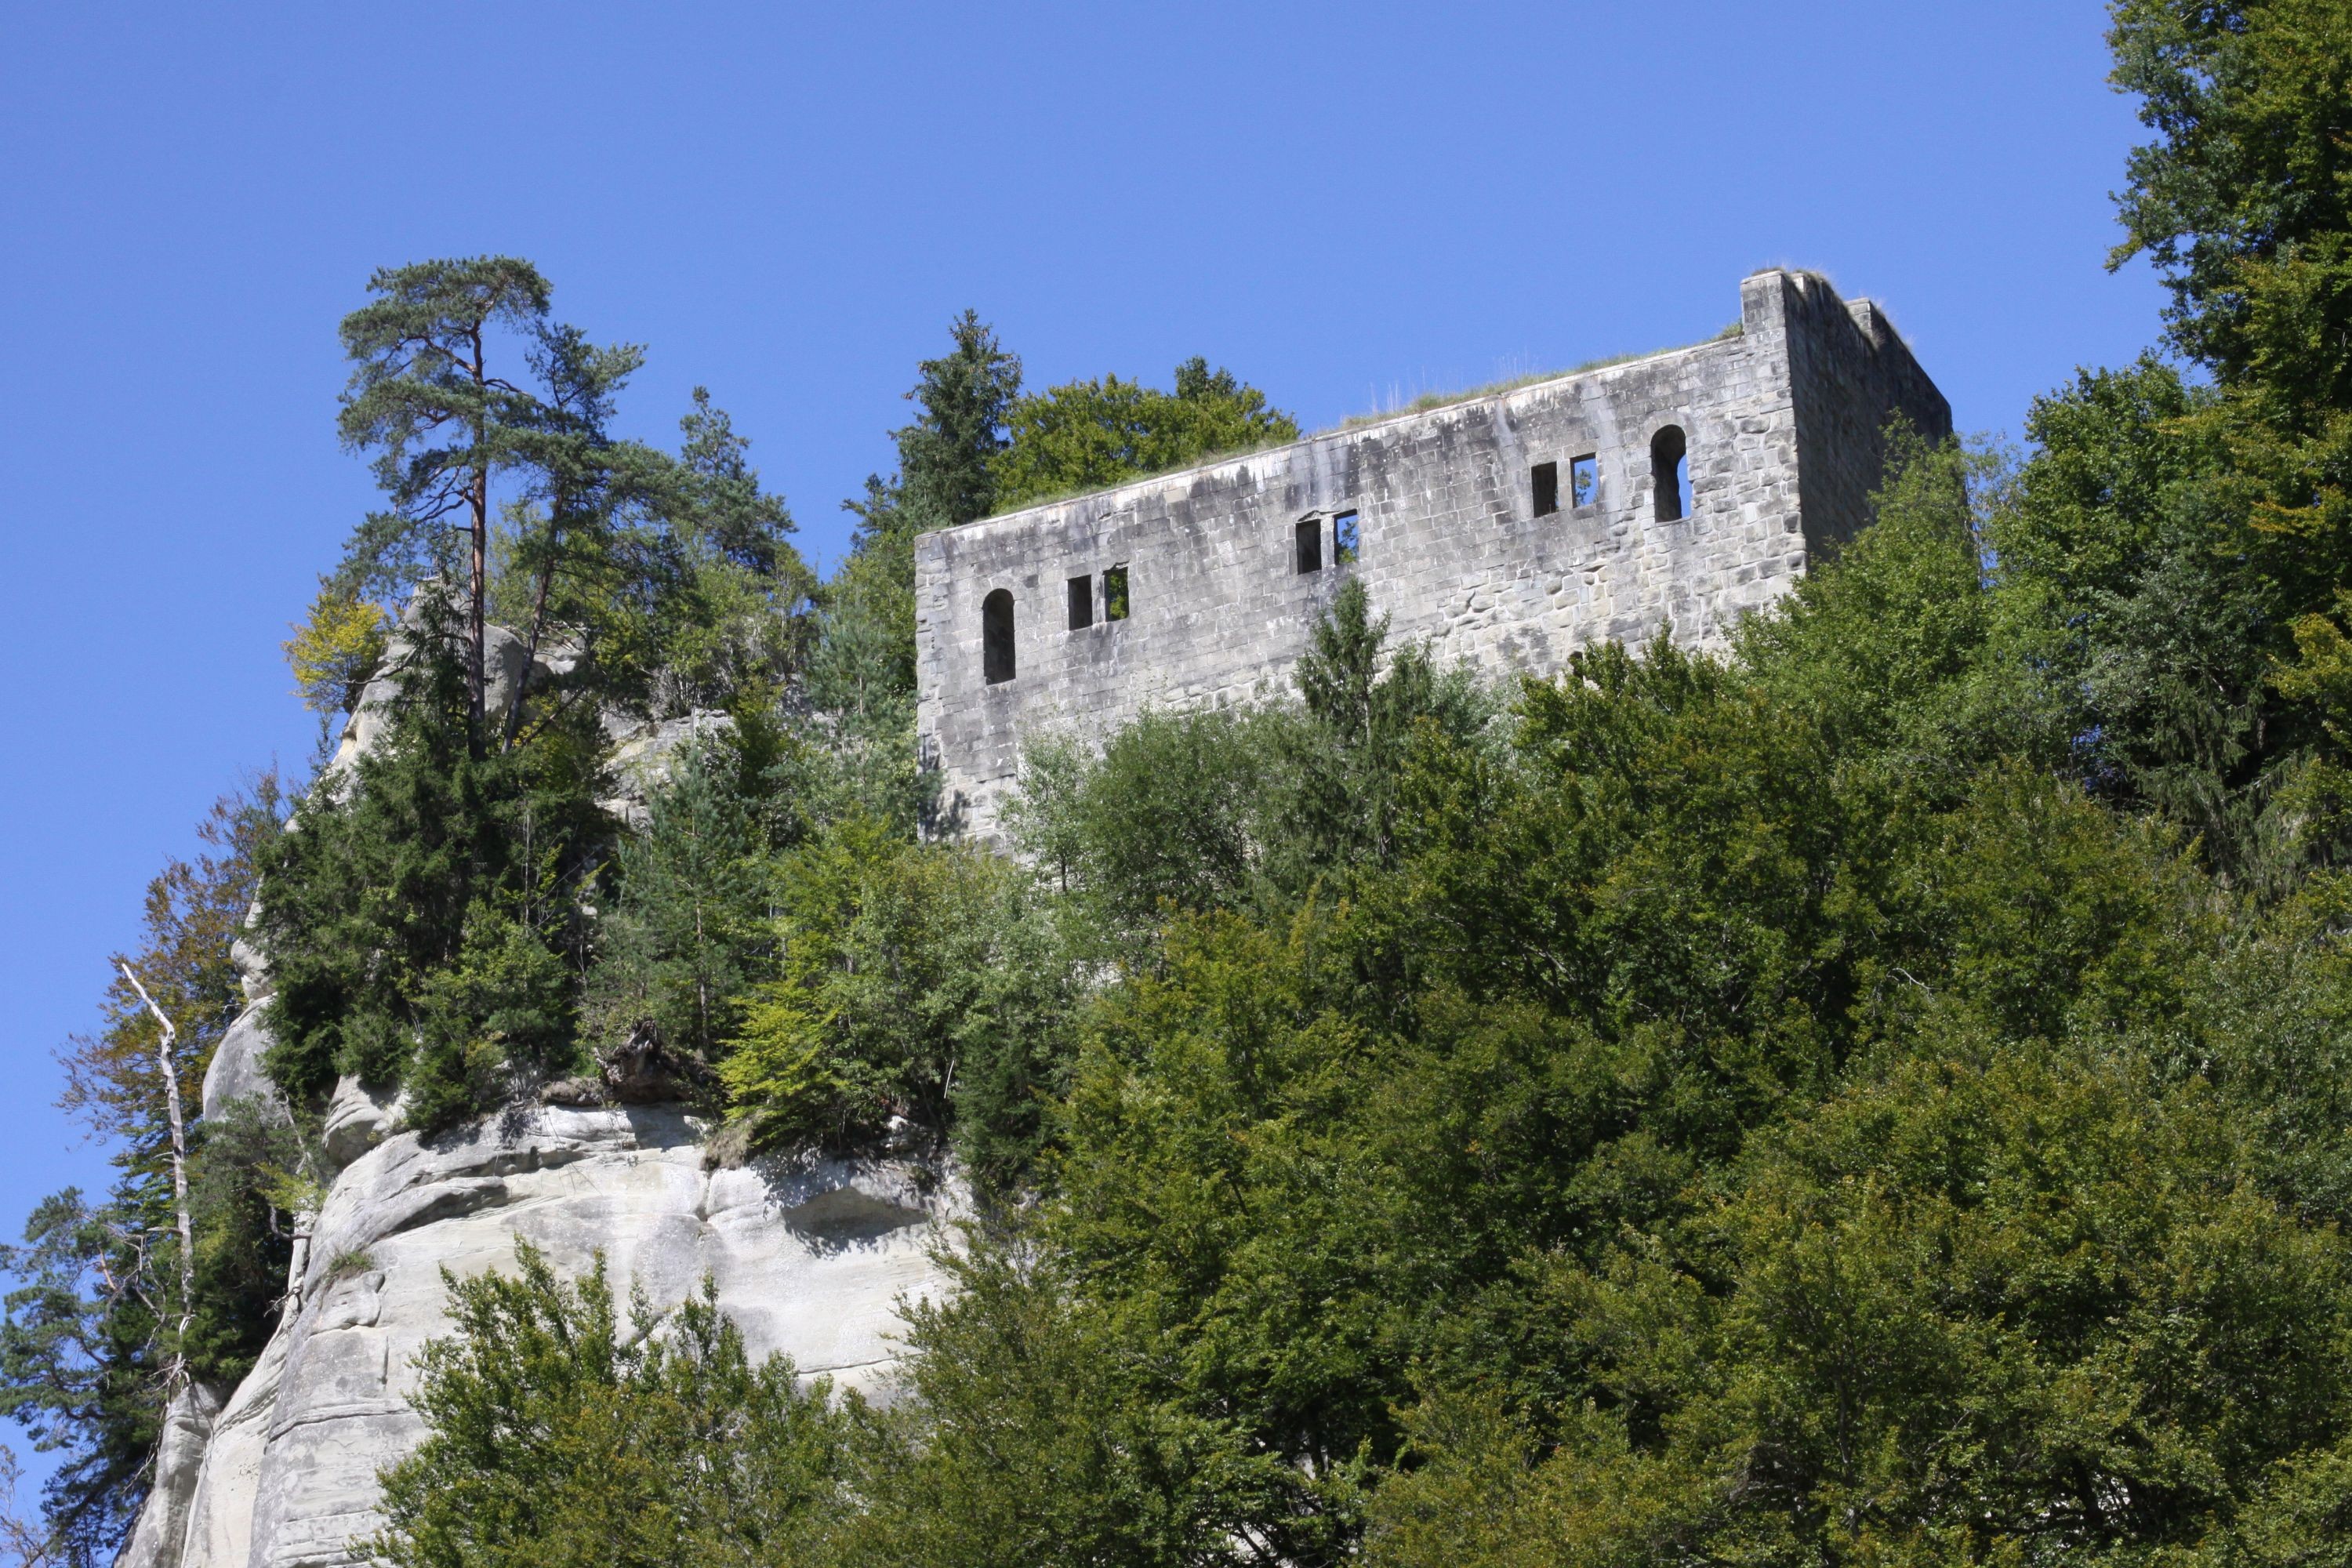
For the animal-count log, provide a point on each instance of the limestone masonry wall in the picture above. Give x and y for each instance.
(1782, 421)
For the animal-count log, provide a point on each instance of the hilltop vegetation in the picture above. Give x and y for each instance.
(1880, 1095)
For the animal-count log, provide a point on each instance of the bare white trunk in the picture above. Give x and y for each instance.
(179, 1172)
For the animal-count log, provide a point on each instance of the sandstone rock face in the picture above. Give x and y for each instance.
(235, 1070)
(356, 1120)
(812, 1257)
(188, 1424)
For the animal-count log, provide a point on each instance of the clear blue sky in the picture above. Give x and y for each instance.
(787, 203)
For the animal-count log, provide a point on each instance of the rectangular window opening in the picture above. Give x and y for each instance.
(1344, 539)
(1584, 481)
(1082, 602)
(1115, 593)
(1545, 480)
(1308, 537)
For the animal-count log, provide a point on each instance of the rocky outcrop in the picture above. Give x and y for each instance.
(505, 657)
(811, 1257)
(188, 1423)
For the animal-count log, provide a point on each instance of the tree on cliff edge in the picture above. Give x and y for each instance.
(424, 398)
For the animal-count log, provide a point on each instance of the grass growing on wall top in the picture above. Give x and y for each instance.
(1420, 404)
(1429, 400)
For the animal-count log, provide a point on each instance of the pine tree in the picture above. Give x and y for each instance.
(946, 473)
(426, 398)
(677, 950)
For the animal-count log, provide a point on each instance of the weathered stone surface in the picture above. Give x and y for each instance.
(219, 1530)
(179, 1462)
(809, 1257)
(234, 1072)
(357, 1120)
(1782, 422)
(505, 655)
(252, 969)
(644, 754)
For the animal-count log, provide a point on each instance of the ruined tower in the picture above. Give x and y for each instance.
(1679, 490)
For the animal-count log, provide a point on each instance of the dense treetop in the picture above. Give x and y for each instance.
(1876, 1093)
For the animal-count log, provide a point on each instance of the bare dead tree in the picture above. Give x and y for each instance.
(179, 1370)
(23, 1543)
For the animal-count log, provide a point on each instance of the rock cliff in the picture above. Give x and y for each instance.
(812, 1257)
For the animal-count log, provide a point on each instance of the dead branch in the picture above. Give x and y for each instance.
(179, 1370)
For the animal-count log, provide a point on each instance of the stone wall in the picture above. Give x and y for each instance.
(1782, 421)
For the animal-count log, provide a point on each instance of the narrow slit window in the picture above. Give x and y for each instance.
(1082, 602)
(996, 636)
(1670, 473)
(1344, 539)
(1308, 539)
(1584, 481)
(1115, 593)
(1543, 479)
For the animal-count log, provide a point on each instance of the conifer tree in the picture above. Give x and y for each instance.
(579, 478)
(677, 948)
(946, 456)
(425, 397)
(102, 1309)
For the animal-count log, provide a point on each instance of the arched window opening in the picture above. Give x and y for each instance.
(996, 636)
(1670, 473)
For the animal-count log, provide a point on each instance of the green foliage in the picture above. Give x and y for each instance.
(1085, 434)
(559, 1431)
(1234, 808)
(1878, 1096)
(861, 669)
(674, 573)
(859, 752)
(426, 398)
(676, 576)
(679, 948)
(93, 1327)
(335, 651)
(945, 457)
(423, 917)
(237, 1197)
(1043, 1438)
(1174, 813)
(1899, 1118)
(2242, 202)
(2033, 1309)
(915, 981)
(81, 1360)
(1349, 757)
(729, 586)
(422, 398)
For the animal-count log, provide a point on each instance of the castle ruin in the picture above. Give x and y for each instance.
(1677, 492)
